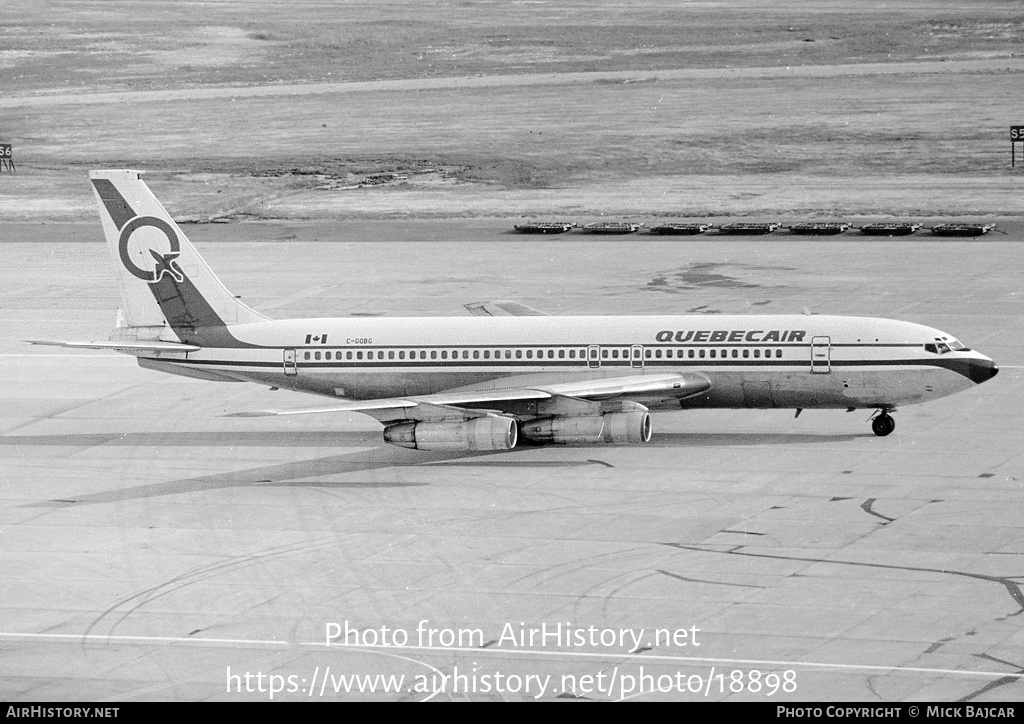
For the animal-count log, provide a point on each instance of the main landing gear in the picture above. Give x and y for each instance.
(882, 423)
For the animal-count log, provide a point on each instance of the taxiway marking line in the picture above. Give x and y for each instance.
(639, 658)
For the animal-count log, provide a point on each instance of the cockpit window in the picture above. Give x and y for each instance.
(944, 345)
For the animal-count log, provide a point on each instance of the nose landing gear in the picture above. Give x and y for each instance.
(882, 423)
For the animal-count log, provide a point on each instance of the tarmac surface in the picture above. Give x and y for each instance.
(151, 548)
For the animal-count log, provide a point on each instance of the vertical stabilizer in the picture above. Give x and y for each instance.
(163, 280)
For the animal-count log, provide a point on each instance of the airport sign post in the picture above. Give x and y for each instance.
(6, 159)
(1016, 136)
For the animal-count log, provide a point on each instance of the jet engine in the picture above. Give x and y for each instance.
(613, 427)
(627, 427)
(480, 433)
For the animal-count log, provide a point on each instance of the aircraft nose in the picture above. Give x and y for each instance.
(982, 370)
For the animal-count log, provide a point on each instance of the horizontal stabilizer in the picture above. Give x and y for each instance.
(120, 346)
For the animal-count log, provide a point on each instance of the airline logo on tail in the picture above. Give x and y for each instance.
(165, 263)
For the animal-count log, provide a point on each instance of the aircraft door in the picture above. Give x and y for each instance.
(593, 356)
(290, 367)
(821, 362)
(636, 355)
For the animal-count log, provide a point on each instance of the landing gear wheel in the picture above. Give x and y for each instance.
(883, 425)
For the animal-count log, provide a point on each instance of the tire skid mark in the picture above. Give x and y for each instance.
(701, 580)
(196, 575)
(1012, 587)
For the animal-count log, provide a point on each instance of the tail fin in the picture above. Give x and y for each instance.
(164, 282)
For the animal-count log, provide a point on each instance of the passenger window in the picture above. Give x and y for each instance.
(689, 354)
(757, 353)
(561, 354)
(487, 354)
(529, 354)
(702, 354)
(657, 353)
(778, 353)
(305, 355)
(572, 354)
(316, 355)
(551, 354)
(476, 354)
(444, 354)
(736, 354)
(713, 352)
(746, 353)
(508, 354)
(604, 354)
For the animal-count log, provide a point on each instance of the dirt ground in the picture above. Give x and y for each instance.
(451, 109)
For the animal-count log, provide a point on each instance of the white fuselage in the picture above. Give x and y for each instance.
(793, 361)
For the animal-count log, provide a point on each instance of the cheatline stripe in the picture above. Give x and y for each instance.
(640, 657)
(442, 365)
(573, 345)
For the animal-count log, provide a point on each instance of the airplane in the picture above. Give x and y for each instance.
(508, 375)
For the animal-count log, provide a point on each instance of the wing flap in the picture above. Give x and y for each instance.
(354, 406)
(503, 308)
(440, 401)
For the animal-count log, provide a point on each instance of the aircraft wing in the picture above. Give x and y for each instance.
(480, 403)
(120, 346)
(503, 308)
(660, 385)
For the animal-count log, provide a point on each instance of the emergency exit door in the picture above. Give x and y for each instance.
(821, 363)
(289, 362)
